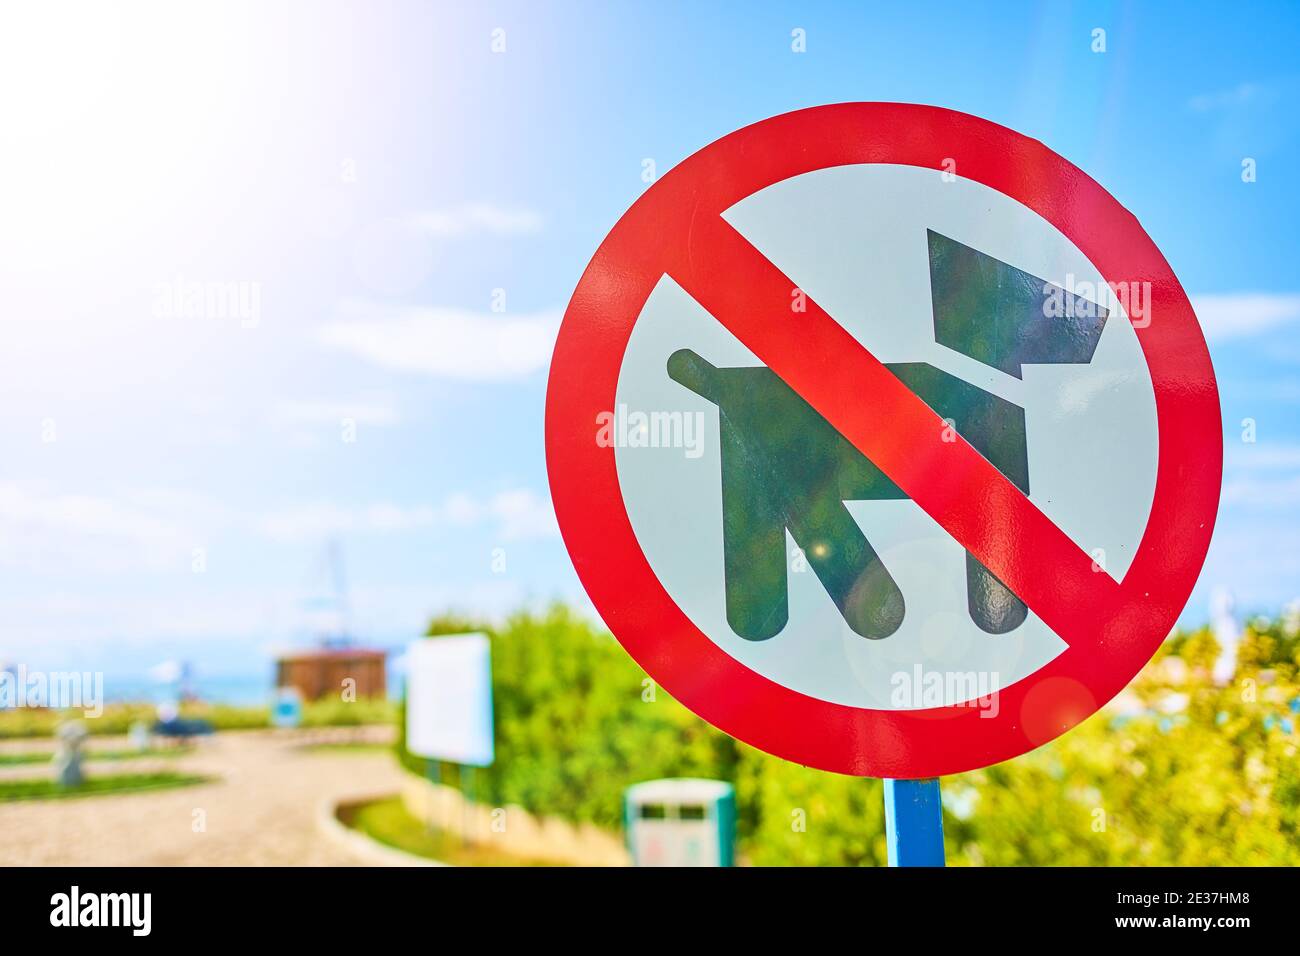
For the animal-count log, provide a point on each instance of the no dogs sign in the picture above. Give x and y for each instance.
(884, 439)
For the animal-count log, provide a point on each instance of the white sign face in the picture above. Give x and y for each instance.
(449, 699)
(855, 239)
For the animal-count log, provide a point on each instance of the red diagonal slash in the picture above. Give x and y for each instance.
(887, 422)
(1112, 629)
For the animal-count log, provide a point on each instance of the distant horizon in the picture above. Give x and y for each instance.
(256, 663)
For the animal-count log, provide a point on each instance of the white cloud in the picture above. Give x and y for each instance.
(130, 630)
(512, 514)
(1239, 95)
(322, 519)
(477, 218)
(1264, 456)
(522, 514)
(1267, 491)
(71, 540)
(517, 513)
(1237, 315)
(379, 411)
(159, 530)
(448, 343)
(61, 533)
(1264, 475)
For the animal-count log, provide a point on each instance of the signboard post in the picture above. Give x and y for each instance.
(913, 823)
(885, 440)
(449, 708)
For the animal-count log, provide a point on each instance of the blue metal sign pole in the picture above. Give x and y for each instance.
(913, 822)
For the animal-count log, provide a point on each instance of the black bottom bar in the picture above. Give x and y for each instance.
(330, 906)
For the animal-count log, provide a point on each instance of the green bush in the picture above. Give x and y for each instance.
(1212, 782)
(1201, 775)
(577, 721)
(796, 816)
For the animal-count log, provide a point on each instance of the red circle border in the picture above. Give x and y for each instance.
(685, 662)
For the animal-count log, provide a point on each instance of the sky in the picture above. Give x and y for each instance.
(274, 275)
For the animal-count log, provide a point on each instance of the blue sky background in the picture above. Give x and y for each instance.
(376, 171)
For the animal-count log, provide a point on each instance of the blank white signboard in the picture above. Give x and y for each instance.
(449, 699)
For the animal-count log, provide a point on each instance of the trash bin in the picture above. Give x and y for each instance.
(681, 822)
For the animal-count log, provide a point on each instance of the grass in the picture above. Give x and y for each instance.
(345, 748)
(117, 718)
(389, 822)
(13, 759)
(44, 789)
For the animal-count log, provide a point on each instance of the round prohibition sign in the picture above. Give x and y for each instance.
(677, 229)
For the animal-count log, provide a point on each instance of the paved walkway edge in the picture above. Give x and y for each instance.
(369, 851)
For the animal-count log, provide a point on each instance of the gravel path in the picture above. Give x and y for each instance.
(261, 812)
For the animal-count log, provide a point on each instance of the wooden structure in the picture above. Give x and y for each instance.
(321, 673)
